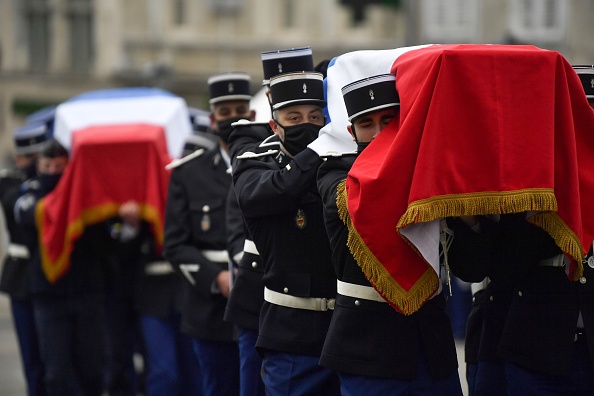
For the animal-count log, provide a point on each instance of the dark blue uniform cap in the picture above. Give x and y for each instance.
(370, 94)
(292, 89)
(286, 61)
(30, 138)
(586, 75)
(229, 86)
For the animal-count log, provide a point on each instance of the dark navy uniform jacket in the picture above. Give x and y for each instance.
(195, 222)
(471, 257)
(370, 338)
(14, 279)
(247, 295)
(89, 259)
(531, 310)
(155, 287)
(541, 322)
(283, 211)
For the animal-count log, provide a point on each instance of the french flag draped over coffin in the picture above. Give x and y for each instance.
(483, 129)
(120, 141)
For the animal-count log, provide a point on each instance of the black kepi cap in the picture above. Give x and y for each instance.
(586, 75)
(291, 89)
(229, 86)
(30, 138)
(370, 94)
(286, 61)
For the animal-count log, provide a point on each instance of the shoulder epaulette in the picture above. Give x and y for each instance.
(178, 162)
(10, 174)
(338, 154)
(30, 185)
(244, 122)
(271, 140)
(251, 154)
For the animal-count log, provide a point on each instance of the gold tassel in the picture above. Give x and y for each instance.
(408, 302)
(541, 200)
(563, 236)
(483, 203)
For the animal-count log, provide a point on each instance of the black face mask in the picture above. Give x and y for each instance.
(31, 170)
(225, 128)
(48, 182)
(361, 147)
(297, 137)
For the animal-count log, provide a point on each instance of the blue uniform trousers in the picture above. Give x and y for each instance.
(26, 331)
(490, 379)
(219, 366)
(72, 341)
(122, 339)
(172, 367)
(580, 382)
(423, 384)
(286, 374)
(250, 364)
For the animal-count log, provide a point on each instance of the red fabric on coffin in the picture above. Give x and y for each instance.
(109, 166)
(483, 129)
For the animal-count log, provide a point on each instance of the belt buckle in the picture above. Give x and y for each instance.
(331, 303)
(326, 304)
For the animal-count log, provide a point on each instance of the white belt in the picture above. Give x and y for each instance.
(250, 247)
(556, 261)
(217, 256)
(309, 303)
(18, 251)
(358, 291)
(158, 268)
(478, 286)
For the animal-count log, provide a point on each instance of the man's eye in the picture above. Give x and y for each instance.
(387, 120)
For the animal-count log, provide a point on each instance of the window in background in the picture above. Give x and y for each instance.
(537, 21)
(225, 6)
(179, 12)
(37, 17)
(450, 21)
(80, 18)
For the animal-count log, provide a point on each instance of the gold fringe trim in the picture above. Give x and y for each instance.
(563, 236)
(408, 302)
(56, 269)
(452, 205)
(541, 200)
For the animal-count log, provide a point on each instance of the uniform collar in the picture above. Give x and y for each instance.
(225, 156)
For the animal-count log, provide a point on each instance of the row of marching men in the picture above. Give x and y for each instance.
(307, 319)
(294, 314)
(270, 299)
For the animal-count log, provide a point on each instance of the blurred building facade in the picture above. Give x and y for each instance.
(51, 50)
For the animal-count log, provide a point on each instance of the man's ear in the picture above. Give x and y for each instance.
(268, 96)
(253, 115)
(273, 126)
(350, 129)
